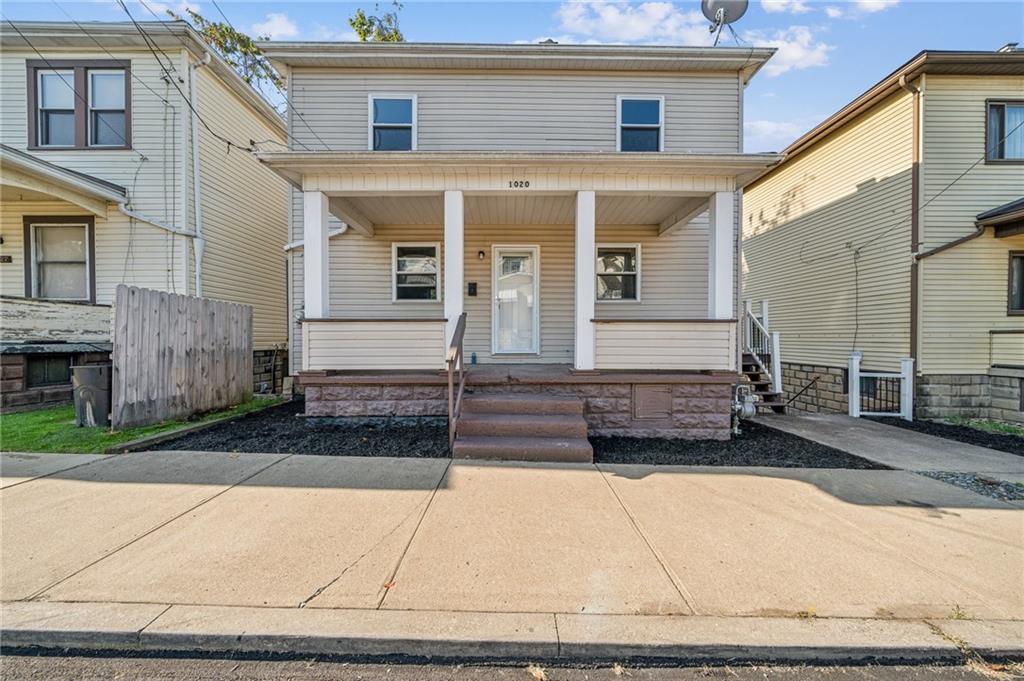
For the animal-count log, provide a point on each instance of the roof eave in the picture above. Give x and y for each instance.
(77, 181)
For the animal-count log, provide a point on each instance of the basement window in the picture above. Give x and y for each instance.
(415, 272)
(392, 122)
(48, 370)
(618, 272)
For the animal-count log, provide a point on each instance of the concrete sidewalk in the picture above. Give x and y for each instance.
(896, 447)
(181, 550)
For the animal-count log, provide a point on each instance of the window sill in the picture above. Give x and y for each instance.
(93, 148)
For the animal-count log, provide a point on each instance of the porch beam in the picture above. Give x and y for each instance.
(315, 261)
(586, 261)
(350, 215)
(454, 252)
(687, 211)
(720, 255)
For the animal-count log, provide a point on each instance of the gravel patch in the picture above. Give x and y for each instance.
(981, 484)
(757, 445)
(1011, 444)
(282, 429)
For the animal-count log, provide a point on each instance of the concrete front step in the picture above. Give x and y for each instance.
(554, 449)
(522, 404)
(523, 425)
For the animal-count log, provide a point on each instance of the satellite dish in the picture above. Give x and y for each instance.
(723, 11)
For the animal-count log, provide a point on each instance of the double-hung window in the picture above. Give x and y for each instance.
(641, 123)
(415, 272)
(55, 115)
(79, 104)
(60, 259)
(392, 122)
(1005, 131)
(1016, 293)
(618, 272)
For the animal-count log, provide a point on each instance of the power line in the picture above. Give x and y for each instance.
(70, 86)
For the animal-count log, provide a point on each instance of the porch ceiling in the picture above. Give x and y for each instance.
(540, 209)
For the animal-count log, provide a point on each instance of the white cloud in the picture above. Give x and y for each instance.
(277, 25)
(834, 12)
(874, 5)
(764, 135)
(327, 34)
(797, 49)
(620, 21)
(794, 6)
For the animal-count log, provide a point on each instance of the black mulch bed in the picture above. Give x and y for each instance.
(1011, 444)
(280, 429)
(757, 445)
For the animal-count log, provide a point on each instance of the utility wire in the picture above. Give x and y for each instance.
(70, 86)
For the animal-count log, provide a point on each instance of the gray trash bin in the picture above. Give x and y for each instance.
(92, 394)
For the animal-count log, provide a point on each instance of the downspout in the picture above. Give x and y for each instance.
(198, 243)
(123, 207)
(980, 229)
(915, 225)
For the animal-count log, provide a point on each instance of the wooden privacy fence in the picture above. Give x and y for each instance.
(177, 355)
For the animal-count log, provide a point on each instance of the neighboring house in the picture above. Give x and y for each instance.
(108, 177)
(578, 204)
(895, 228)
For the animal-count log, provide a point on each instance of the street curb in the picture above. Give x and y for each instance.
(283, 632)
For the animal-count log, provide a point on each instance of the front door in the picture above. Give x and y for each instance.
(516, 308)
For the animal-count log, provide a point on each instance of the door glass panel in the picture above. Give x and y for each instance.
(515, 303)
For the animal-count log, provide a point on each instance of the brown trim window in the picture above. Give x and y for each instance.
(1005, 131)
(60, 258)
(1016, 292)
(79, 104)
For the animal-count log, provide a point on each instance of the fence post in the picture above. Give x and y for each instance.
(776, 363)
(907, 389)
(853, 384)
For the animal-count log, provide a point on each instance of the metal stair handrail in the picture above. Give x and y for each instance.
(455, 364)
(762, 344)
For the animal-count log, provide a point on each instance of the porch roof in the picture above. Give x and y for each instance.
(294, 165)
(29, 174)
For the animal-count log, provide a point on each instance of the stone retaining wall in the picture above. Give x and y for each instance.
(269, 369)
(970, 396)
(826, 395)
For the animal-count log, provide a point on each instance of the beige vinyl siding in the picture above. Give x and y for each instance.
(535, 111)
(678, 346)
(1007, 349)
(245, 214)
(801, 225)
(125, 254)
(674, 282)
(376, 345)
(964, 289)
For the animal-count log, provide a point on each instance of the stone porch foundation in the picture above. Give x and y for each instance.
(694, 406)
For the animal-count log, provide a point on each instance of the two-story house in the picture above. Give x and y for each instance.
(115, 168)
(895, 228)
(567, 216)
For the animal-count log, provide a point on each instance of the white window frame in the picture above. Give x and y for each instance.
(597, 278)
(369, 116)
(395, 245)
(34, 261)
(89, 73)
(661, 120)
(496, 250)
(68, 76)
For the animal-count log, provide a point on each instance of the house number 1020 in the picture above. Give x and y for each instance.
(518, 184)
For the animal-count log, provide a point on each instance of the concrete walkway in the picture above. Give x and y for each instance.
(896, 447)
(185, 550)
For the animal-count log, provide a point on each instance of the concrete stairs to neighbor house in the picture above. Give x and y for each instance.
(761, 384)
(522, 427)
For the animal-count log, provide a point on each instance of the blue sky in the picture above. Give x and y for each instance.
(829, 51)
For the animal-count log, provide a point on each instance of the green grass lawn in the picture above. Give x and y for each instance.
(990, 426)
(54, 429)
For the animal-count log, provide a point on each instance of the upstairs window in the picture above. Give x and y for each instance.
(618, 272)
(392, 123)
(1005, 131)
(1016, 301)
(415, 272)
(55, 120)
(640, 123)
(79, 104)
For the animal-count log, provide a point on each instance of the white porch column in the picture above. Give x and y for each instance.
(454, 252)
(315, 262)
(720, 256)
(586, 261)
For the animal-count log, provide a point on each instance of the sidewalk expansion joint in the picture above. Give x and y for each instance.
(677, 583)
(40, 592)
(50, 475)
(150, 623)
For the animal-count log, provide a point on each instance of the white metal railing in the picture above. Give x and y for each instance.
(881, 393)
(762, 344)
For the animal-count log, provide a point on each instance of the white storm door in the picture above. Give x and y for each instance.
(515, 312)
